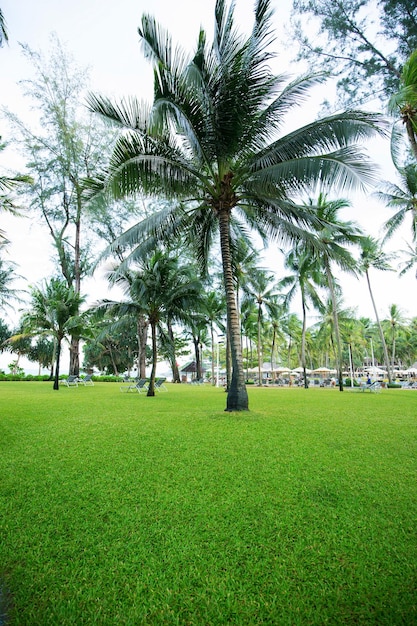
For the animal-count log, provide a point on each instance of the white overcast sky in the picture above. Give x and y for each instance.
(102, 35)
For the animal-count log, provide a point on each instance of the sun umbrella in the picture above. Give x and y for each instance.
(322, 370)
(299, 370)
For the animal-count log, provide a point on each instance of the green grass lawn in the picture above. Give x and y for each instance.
(121, 509)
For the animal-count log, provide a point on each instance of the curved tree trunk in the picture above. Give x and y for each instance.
(336, 325)
(381, 332)
(237, 396)
(303, 340)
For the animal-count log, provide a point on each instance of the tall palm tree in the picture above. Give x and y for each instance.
(249, 324)
(275, 307)
(395, 322)
(326, 330)
(261, 288)
(306, 276)
(213, 307)
(292, 327)
(55, 312)
(161, 290)
(334, 235)
(212, 143)
(372, 255)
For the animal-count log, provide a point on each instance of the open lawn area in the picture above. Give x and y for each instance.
(118, 509)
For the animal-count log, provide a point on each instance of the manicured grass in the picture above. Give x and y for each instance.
(118, 509)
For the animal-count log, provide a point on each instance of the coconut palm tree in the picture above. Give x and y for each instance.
(334, 236)
(54, 312)
(372, 255)
(394, 323)
(159, 289)
(261, 288)
(306, 276)
(213, 309)
(212, 142)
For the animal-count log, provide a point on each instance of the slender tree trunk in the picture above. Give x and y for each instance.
(303, 340)
(198, 370)
(142, 335)
(336, 325)
(151, 387)
(58, 358)
(273, 353)
(74, 366)
(237, 396)
(173, 357)
(289, 351)
(259, 347)
(381, 332)
(213, 381)
(113, 362)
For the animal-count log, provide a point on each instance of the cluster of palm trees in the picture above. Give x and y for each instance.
(213, 146)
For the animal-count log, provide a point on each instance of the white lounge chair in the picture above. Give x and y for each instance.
(141, 384)
(87, 380)
(71, 381)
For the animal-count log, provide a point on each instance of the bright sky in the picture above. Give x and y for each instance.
(102, 35)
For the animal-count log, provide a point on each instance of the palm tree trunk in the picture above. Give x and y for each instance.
(237, 396)
(142, 333)
(381, 332)
(273, 360)
(58, 358)
(74, 366)
(151, 387)
(336, 324)
(228, 362)
(259, 348)
(113, 362)
(213, 378)
(303, 340)
(197, 353)
(172, 355)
